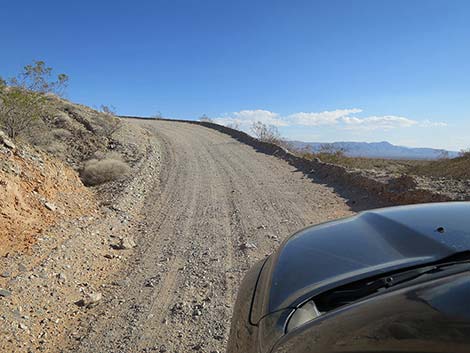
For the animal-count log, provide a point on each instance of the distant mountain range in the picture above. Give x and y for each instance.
(379, 150)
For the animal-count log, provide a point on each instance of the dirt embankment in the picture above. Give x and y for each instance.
(36, 191)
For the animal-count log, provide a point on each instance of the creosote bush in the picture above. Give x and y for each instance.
(266, 133)
(97, 172)
(22, 98)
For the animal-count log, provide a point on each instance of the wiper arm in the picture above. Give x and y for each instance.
(351, 293)
(355, 291)
(402, 277)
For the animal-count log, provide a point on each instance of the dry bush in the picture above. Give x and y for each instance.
(205, 119)
(331, 154)
(108, 124)
(62, 134)
(97, 172)
(57, 149)
(455, 168)
(266, 133)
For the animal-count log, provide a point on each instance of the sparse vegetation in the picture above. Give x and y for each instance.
(266, 133)
(38, 78)
(108, 109)
(157, 115)
(22, 98)
(96, 172)
(456, 168)
(204, 118)
(108, 123)
(19, 110)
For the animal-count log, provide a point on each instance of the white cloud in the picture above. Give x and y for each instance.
(429, 123)
(322, 118)
(247, 117)
(340, 118)
(378, 122)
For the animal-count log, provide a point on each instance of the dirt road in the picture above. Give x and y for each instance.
(215, 208)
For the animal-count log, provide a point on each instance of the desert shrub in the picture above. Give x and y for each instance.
(56, 148)
(38, 78)
(455, 168)
(108, 109)
(23, 98)
(61, 134)
(157, 116)
(19, 110)
(205, 119)
(108, 125)
(331, 153)
(97, 172)
(465, 153)
(266, 133)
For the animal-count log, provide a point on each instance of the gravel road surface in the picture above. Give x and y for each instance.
(215, 208)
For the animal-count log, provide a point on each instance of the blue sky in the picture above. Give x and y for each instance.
(319, 70)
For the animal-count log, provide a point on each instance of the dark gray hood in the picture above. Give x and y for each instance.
(328, 255)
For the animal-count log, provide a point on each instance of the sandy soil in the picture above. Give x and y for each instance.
(211, 196)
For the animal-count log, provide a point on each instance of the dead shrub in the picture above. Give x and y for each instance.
(97, 172)
(62, 134)
(266, 133)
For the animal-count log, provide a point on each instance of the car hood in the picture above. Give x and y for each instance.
(325, 256)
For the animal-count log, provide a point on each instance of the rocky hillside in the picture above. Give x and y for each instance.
(36, 191)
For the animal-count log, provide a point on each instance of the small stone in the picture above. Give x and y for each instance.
(4, 293)
(126, 243)
(22, 326)
(50, 206)
(5, 274)
(61, 277)
(245, 246)
(90, 300)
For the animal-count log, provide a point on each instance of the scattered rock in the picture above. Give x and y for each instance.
(247, 245)
(50, 206)
(6, 141)
(61, 277)
(4, 293)
(126, 243)
(153, 281)
(5, 274)
(90, 300)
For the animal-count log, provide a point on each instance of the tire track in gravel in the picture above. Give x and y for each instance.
(212, 195)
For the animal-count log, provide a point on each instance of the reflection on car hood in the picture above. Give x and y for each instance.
(331, 254)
